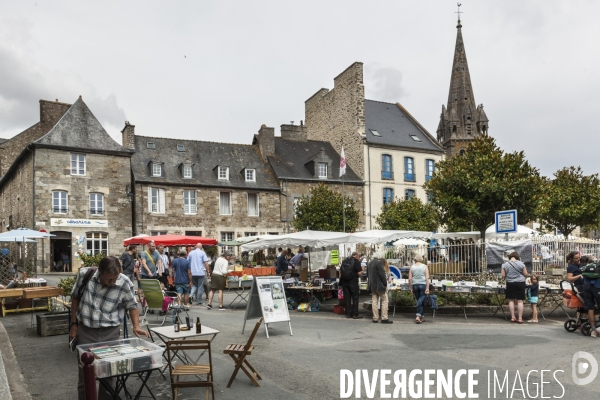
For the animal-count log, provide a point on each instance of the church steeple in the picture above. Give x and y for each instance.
(461, 120)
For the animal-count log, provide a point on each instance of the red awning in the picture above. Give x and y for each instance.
(170, 240)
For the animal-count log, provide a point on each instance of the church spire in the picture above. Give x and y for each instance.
(462, 120)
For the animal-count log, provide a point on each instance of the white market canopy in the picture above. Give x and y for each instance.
(23, 233)
(323, 239)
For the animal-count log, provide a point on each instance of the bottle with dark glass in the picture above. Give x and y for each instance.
(198, 326)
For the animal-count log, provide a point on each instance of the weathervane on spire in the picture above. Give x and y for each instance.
(459, 12)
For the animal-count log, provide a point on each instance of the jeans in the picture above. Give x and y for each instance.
(197, 286)
(419, 291)
(351, 298)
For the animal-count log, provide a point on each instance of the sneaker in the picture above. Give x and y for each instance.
(594, 333)
(375, 321)
(222, 309)
(198, 304)
(358, 317)
(348, 316)
(208, 307)
(386, 321)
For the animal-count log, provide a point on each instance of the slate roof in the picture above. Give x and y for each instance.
(291, 156)
(396, 126)
(205, 157)
(79, 128)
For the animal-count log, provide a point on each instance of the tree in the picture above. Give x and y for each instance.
(572, 199)
(322, 211)
(410, 215)
(469, 189)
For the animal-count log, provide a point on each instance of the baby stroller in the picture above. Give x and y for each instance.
(574, 300)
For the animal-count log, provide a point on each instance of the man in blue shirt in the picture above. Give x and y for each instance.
(199, 266)
(183, 276)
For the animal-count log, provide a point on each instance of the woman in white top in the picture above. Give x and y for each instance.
(418, 279)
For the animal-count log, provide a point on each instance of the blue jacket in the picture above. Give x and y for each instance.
(433, 298)
(282, 265)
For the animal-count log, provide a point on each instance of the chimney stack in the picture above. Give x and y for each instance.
(128, 136)
(266, 141)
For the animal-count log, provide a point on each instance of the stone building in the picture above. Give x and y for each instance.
(220, 190)
(69, 179)
(385, 145)
(301, 164)
(461, 121)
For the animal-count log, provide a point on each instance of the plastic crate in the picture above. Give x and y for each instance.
(142, 360)
(339, 309)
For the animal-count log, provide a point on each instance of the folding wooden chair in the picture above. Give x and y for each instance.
(239, 352)
(194, 371)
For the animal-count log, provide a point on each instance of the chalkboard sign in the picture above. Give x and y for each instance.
(267, 300)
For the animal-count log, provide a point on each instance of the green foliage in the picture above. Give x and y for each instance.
(66, 284)
(322, 211)
(572, 199)
(90, 260)
(469, 189)
(403, 298)
(210, 251)
(410, 215)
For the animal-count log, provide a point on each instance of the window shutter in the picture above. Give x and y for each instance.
(149, 199)
(161, 193)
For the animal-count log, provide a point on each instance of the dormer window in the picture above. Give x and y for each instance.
(156, 169)
(187, 172)
(150, 145)
(250, 175)
(322, 170)
(180, 148)
(223, 173)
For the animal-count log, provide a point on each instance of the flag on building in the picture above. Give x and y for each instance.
(342, 163)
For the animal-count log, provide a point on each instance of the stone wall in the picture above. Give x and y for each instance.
(296, 189)
(16, 197)
(106, 174)
(207, 218)
(338, 116)
(50, 113)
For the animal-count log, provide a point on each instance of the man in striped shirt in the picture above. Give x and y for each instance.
(98, 311)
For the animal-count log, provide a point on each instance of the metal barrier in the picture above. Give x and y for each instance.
(466, 257)
(17, 259)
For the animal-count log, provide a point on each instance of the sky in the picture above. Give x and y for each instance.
(218, 70)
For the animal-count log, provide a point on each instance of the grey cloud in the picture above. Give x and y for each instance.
(383, 83)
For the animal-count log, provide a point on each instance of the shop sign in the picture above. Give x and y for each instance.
(335, 257)
(73, 222)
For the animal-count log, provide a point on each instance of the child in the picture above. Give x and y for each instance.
(533, 289)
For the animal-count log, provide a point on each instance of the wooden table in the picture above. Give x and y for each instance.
(28, 293)
(166, 333)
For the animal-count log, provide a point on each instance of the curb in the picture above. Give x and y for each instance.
(10, 372)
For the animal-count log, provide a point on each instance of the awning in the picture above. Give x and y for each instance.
(170, 240)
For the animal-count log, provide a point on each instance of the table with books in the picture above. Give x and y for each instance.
(121, 359)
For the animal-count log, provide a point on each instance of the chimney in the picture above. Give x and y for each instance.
(128, 136)
(51, 112)
(294, 132)
(266, 141)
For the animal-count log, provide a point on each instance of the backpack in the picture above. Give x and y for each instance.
(347, 269)
(591, 271)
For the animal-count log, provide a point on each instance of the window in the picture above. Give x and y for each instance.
(150, 145)
(157, 233)
(461, 152)
(409, 169)
(250, 175)
(187, 172)
(388, 195)
(226, 237)
(415, 138)
(180, 147)
(96, 204)
(246, 234)
(409, 194)
(156, 169)
(374, 132)
(156, 200)
(295, 203)
(97, 242)
(253, 204)
(77, 164)
(189, 202)
(59, 202)
(322, 170)
(429, 169)
(386, 167)
(225, 203)
(224, 173)
(193, 233)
